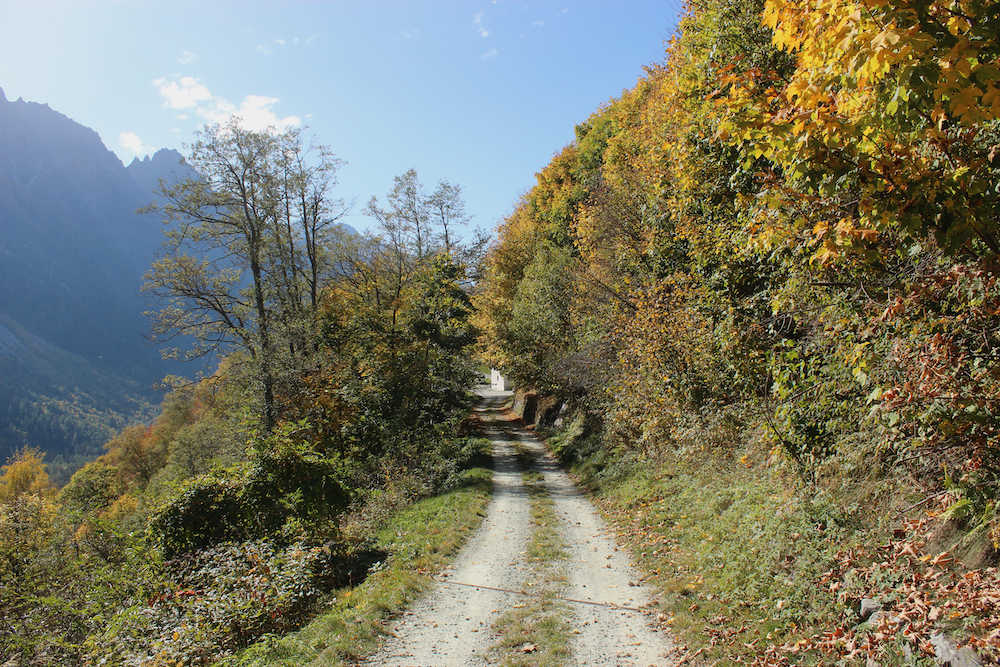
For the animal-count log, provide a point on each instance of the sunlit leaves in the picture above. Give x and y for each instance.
(24, 474)
(888, 118)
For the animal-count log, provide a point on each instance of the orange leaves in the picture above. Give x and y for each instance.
(964, 103)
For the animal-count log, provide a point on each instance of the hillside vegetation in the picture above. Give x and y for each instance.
(260, 494)
(759, 296)
(754, 307)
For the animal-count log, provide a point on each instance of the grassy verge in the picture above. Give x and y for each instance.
(734, 554)
(742, 552)
(536, 630)
(420, 541)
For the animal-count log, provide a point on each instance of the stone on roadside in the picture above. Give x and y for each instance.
(946, 652)
(869, 607)
(879, 615)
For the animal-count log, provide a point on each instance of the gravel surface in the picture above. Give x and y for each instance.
(451, 624)
(599, 572)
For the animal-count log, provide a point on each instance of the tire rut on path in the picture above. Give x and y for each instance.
(611, 632)
(451, 624)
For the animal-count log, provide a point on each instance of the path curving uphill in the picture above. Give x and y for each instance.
(451, 625)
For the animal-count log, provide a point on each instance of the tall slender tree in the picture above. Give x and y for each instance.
(242, 256)
(447, 210)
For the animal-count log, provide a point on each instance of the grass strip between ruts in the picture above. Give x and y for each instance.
(536, 630)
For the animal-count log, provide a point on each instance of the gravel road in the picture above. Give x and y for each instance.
(451, 624)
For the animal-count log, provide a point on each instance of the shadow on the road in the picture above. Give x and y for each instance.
(506, 461)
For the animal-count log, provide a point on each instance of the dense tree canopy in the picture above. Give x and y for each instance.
(793, 218)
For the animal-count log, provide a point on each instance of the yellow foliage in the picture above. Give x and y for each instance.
(123, 506)
(882, 94)
(24, 474)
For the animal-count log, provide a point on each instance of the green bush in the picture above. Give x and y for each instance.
(55, 587)
(222, 598)
(282, 485)
(92, 488)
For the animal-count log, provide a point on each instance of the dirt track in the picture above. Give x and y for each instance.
(452, 624)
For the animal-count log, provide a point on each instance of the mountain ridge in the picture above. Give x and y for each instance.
(73, 251)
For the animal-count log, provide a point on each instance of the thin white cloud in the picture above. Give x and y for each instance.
(294, 41)
(537, 24)
(410, 33)
(183, 93)
(477, 20)
(255, 112)
(490, 55)
(187, 57)
(131, 142)
(564, 10)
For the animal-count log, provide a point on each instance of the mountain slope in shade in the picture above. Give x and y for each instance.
(59, 401)
(73, 252)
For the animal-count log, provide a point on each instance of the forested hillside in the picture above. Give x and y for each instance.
(260, 489)
(77, 363)
(759, 292)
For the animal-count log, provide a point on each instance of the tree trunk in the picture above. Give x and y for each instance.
(266, 372)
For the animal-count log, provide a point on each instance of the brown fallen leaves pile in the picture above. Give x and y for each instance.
(922, 592)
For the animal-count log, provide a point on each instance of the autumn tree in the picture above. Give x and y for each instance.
(428, 221)
(312, 214)
(794, 213)
(243, 256)
(405, 216)
(447, 210)
(24, 474)
(887, 125)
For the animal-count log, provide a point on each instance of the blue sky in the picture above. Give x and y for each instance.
(481, 93)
